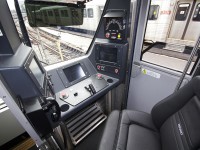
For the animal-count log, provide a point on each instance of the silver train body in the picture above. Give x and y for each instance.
(175, 22)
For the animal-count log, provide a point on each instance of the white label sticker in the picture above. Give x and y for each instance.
(1, 34)
(151, 73)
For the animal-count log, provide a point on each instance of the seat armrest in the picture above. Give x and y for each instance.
(108, 139)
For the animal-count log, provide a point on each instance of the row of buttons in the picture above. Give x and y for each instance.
(65, 95)
(102, 68)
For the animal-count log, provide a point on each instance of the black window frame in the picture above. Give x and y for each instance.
(84, 13)
(177, 18)
(198, 14)
(90, 14)
(150, 10)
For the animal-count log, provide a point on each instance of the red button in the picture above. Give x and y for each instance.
(99, 76)
(98, 67)
(107, 35)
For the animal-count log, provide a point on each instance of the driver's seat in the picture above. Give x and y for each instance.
(174, 124)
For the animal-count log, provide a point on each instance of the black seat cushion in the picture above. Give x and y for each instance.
(108, 140)
(174, 124)
(134, 131)
(137, 132)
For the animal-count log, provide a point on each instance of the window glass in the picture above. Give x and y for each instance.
(50, 13)
(196, 16)
(162, 49)
(64, 13)
(90, 13)
(182, 12)
(57, 44)
(153, 12)
(84, 13)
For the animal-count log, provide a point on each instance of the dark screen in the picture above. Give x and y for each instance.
(37, 72)
(108, 54)
(74, 72)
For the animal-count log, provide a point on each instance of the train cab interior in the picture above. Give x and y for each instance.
(100, 74)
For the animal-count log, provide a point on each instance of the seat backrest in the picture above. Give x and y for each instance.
(178, 118)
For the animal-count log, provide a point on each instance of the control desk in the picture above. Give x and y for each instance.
(77, 86)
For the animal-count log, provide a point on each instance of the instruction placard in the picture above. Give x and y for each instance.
(151, 73)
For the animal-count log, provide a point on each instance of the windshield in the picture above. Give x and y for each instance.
(61, 43)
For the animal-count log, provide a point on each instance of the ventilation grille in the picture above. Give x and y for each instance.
(2, 104)
(84, 123)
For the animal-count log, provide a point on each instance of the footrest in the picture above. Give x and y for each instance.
(84, 123)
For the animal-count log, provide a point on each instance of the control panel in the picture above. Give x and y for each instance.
(115, 25)
(111, 58)
(73, 74)
(79, 92)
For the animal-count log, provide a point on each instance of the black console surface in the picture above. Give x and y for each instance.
(78, 85)
(82, 90)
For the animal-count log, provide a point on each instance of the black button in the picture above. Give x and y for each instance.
(76, 94)
(110, 80)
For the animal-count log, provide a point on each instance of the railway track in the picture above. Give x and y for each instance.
(68, 50)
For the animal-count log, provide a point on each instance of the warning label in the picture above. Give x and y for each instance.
(151, 73)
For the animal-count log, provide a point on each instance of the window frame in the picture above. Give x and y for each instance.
(90, 14)
(198, 14)
(176, 15)
(158, 10)
(85, 13)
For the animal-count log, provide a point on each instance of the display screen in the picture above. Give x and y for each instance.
(37, 72)
(74, 73)
(108, 54)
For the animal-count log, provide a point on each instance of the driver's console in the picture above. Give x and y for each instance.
(54, 94)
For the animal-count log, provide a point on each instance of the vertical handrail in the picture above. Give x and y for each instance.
(193, 53)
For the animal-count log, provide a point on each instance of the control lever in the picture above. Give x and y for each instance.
(88, 89)
(91, 89)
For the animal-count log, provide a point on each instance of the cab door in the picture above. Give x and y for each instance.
(156, 72)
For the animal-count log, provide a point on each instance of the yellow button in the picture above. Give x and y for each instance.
(119, 36)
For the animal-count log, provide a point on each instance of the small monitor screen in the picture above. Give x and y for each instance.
(74, 73)
(108, 54)
(37, 72)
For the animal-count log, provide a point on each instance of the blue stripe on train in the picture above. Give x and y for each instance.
(90, 32)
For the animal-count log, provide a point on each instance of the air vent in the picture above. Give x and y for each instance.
(84, 123)
(2, 104)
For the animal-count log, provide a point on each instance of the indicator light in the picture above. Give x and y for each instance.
(119, 36)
